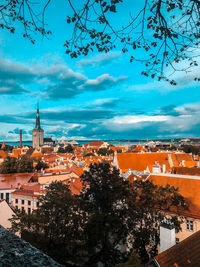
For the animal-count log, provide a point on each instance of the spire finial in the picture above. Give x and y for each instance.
(37, 124)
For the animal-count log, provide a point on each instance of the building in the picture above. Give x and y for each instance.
(48, 141)
(27, 197)
(156, 162)
(6, 214)
(37, 133)
(10, 182)
(189, 188)
(186, 253)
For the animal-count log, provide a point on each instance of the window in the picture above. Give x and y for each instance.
(177, 240)
(7, 197)
(38, 204)
(22, 208)
(2, 195)
(16, 207)
(16, 201)
(22, 201)
(29, 202)
(29, 210)
(190, 225)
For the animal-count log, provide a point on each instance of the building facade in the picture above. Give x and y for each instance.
(37, 133)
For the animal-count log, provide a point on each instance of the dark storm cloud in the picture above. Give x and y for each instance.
(168, 110)
(15, 71)
(17, 131)
(11, 88)
(75, 116)
(59, 81)
(13, 119)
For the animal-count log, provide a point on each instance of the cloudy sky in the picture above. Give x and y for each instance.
(101, 96)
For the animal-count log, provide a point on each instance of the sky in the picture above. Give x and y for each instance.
(100, 96)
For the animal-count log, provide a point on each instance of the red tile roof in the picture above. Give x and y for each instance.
(184, 254)
(75, 185)
(93, 144)
(3, 154)
(13, 180)
(140, 161)
(178, 158)
(189, 188)
(139, 149)
(186, 171)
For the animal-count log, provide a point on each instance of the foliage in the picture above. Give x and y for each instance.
(108, 221)
(104, 151)
(67, 149)
(41, 165)
(9, 165)
(88, 154)
(55, 226)
(16, 165)
(24, 164)
(191, 149)
(154, 203)
(133, 261)
(167, 31)
(7, 148)
(110, 217)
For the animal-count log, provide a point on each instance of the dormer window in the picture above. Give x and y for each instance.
(190, 225)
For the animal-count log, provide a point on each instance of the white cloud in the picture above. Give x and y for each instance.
(99, 60)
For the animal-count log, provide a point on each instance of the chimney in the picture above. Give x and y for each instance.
(167, 235)
(164, 168)
(20, 142)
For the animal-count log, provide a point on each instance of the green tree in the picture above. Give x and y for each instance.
(123, 213)
(133, 261)
(61, 149)
(14, 165)
(67, 149)
(54, 227)
(106, 197)
(88, 154)
(108, 221)
(9, 165)
(154, 203)
(41, 165)
(24, 164)
(104, 151)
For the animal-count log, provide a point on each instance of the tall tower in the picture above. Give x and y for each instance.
(37, 132)
(20, 141)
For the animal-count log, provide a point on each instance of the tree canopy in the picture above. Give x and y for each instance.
(14, 165)
(67, 149)
(54, 227)
(109, 222)
(104, 151)
(41, 165)
(167, 31)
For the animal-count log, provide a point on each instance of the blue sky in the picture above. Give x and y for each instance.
(100, 96)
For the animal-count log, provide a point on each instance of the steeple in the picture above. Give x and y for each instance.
(37, 124)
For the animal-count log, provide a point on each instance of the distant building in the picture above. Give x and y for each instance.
(37, 132)
(48, 141)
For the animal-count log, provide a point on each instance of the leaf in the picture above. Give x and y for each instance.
(113, 8)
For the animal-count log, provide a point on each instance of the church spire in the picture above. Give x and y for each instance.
(37, 124)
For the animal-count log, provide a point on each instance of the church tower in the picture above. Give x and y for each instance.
(37, 132)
